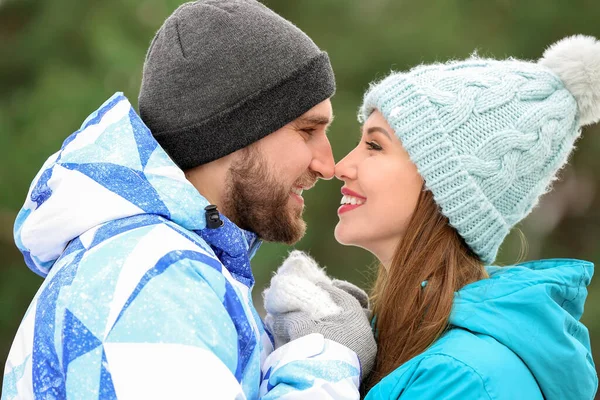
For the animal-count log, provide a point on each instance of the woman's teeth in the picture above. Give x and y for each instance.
(351, 200)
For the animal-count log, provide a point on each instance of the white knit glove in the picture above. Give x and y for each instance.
(302, 300)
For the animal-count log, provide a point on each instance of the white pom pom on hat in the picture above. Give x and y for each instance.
(576, 61)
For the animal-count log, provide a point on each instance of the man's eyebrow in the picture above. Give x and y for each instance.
(378, 129)
(315, 120)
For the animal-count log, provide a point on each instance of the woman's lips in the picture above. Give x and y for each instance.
(350, 197)
(347, 207)
(348, 192)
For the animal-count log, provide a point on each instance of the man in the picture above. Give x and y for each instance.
(148, 287)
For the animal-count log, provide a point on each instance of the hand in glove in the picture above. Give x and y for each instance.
(303, 300)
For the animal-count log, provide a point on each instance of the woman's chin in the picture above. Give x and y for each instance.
(344, 236)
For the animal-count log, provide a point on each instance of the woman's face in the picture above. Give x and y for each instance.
(380, 192)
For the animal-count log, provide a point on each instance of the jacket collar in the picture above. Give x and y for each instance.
(235, 248)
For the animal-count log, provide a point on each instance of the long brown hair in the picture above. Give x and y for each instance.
(410, 316)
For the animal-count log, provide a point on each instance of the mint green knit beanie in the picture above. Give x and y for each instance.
(489, 136)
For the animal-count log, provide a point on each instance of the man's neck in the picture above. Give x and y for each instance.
(209, 179)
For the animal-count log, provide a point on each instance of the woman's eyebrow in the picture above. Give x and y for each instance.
(378, 129)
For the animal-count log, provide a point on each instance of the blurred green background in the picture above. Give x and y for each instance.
(60, 59)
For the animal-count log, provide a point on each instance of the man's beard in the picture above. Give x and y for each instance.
(256, 201)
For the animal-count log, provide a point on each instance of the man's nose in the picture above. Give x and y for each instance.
(322, 163)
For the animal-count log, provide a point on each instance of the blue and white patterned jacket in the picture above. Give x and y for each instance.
(141, 300)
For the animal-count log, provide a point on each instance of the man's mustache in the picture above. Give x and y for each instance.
(307, 180)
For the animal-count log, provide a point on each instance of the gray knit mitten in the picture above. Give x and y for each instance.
(350, 327)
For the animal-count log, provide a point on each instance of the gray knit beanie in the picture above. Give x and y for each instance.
(222, 74)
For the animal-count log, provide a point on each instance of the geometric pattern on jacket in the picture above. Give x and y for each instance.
(140, 299)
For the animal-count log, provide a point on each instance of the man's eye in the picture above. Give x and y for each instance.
(309, 131)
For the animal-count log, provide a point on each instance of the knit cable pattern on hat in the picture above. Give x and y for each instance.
(487, 136)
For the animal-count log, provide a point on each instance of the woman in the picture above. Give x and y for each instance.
(451, 157)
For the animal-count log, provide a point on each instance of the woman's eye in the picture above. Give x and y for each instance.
(373, 146)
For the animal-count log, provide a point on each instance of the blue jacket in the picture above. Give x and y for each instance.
(514, 336)
(140, 299)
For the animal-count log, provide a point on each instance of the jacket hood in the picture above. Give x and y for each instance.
(111, 168)
(534, 309)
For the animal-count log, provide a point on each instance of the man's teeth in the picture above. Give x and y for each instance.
(351, 200)
(297, 191)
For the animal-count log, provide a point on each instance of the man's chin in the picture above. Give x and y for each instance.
(289, 232)
(301, 231)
